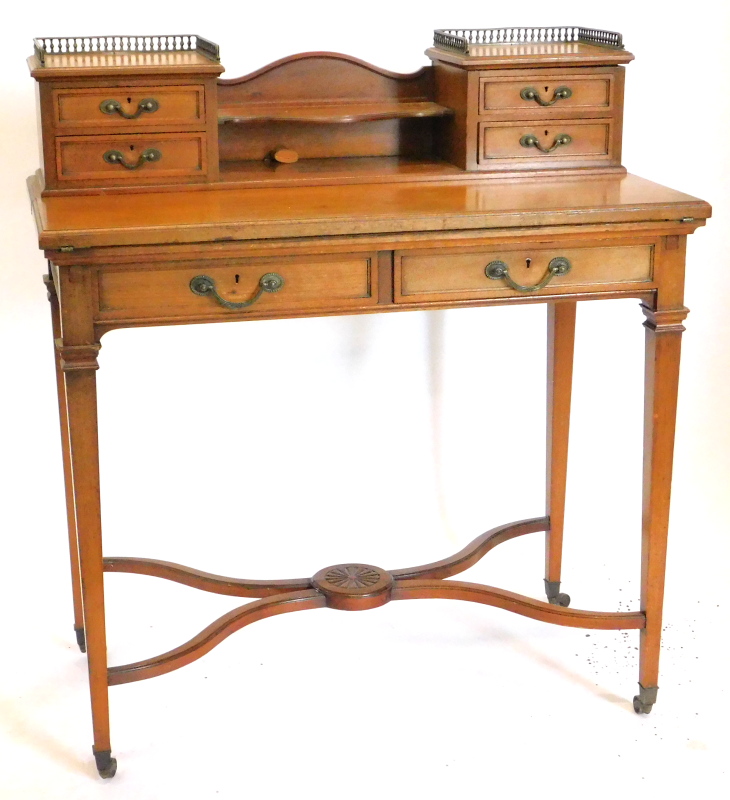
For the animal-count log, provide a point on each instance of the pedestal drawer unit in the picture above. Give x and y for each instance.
(539, 86)
(97, 97)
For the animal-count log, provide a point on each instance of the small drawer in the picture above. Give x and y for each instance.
(131, 158)
(443, 275)
(129, 108)
(546, 95)
(547, 140)
(293, 285)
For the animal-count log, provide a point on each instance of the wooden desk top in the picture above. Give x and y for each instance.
(217, 214)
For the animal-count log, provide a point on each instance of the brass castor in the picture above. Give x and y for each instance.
(646, 698)
(641, 708)
(560, 599)
(554, 595)
(106, 765)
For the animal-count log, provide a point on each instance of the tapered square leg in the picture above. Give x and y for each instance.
(77, 353)
(663, 343)
(561, 340)
(78, 608)
(80, 389)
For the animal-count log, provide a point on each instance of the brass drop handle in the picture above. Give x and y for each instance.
(147, 106)
(498, 270)
(115, 157)
(530, 140)
(531, 93)
(203, 285)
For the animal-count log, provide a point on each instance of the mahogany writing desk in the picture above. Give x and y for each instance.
(400, 237)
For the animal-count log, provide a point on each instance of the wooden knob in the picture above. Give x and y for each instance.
(284, 156)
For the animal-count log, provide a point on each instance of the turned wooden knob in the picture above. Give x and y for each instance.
(284, 156)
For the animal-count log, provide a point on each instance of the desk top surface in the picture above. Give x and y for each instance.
(224, 214)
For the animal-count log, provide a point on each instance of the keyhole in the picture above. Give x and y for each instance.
(131, 147)
(545, 133)
(546, 88)
(238, 278)
(528, 261)
(129, 99)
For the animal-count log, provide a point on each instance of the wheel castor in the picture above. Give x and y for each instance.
(641, 708)
(646, 698)
(554, 596)
(560, 599)
(81, 639)
(106, 765)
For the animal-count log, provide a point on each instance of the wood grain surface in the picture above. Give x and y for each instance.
(216, 213)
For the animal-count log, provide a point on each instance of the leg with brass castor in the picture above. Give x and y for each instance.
(560, 338)
(646, 698)
(106, 765)
(555, 596)
(78, 606)
(79, 378)
(663, 345)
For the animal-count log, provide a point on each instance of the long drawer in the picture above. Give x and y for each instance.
(443, 275)
(131, 158)
(265, 286)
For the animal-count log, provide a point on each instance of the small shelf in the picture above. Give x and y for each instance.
(330, 112)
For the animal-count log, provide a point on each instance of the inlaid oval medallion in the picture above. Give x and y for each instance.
(354, 587)
(352, 576)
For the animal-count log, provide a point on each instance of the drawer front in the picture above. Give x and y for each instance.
(151, 106)
(443, 276)
(309, 283)
(551, 141)
(151, 157)
(545, 95)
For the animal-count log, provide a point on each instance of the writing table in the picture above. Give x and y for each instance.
(352, 250)
(361, 234)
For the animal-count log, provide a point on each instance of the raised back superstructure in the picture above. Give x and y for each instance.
(126, 113)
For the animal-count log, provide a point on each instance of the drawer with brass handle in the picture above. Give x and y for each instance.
(548, 95)
(251, 286)
(554, 141)
(129, 108)
(448, 275)
(131, 158)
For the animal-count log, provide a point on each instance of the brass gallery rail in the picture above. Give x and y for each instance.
(352, 587)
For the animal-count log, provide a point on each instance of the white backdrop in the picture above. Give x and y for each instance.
(276, 448)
